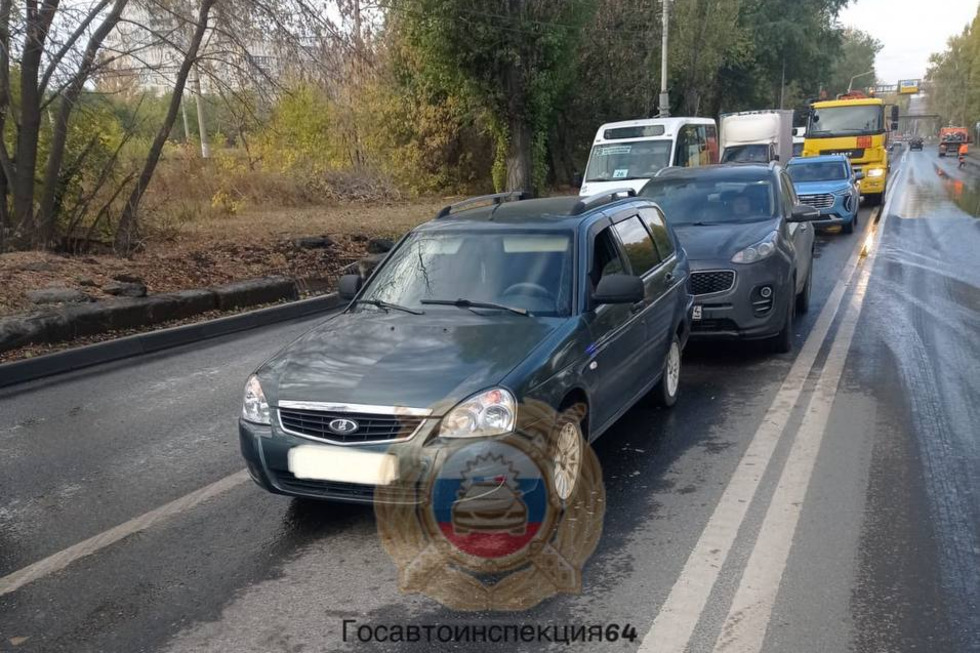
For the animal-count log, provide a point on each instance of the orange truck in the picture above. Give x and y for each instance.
(950, 139)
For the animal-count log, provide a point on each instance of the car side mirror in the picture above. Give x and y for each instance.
(350, 285)
(619, 289)
(859, 175)
(804, 213)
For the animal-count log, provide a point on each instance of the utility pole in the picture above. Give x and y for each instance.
(782, 84)
(201, 126)
(664, 97)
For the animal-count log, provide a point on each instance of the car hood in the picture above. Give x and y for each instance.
(418, 361)
(721, 241)
(818, 187)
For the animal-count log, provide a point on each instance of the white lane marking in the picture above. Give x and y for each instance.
(60, 560)
(678, 616)
(748, 618)
(745, 627)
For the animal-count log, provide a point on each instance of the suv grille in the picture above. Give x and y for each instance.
(703, 283)
(823, 201)
(370, 427)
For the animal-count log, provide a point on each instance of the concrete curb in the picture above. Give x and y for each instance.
(152, 341)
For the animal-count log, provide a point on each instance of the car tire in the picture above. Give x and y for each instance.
(803, 297)
(566, 451)
(782, 343)
(848, 227)
(665, 392)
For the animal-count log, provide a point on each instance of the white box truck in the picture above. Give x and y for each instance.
(757, 136)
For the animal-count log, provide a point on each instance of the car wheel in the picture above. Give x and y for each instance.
(803, 298)
(665, 392)
(566, 453)
(848, 227)
(783, 342)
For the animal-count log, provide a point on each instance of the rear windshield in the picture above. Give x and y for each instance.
(822, 171)
(712, 201)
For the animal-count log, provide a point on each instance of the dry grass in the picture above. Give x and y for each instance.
(269, 224)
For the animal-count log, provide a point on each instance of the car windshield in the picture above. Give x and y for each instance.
(628, 160)
(519, 269)
(818, 171)
(746, 154)
(861, 119)
(712, 201)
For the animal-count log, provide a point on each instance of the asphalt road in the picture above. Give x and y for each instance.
(826, 500)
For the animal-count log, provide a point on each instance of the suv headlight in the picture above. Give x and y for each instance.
(254, 406)
(493, 412)
(762, 249)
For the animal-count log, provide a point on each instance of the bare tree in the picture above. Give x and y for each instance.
(127, 233)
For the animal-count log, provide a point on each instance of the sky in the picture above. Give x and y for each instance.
(910, 30)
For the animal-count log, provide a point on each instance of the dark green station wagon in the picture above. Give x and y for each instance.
(474, 320)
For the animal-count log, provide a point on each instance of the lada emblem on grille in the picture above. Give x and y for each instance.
(342, 426)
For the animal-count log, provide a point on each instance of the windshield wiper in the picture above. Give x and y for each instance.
(467, 303)
(380, 303)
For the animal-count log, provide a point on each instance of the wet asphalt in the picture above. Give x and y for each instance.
(886, 555)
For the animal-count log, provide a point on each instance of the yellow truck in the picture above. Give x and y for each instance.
(853, 125)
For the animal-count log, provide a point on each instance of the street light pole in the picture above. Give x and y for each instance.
(851, 83)
(664, 98)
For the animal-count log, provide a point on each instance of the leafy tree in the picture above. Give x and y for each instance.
(510, 59)
(857, 56)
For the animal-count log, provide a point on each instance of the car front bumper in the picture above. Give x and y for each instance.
(731, 314)
(266, 453)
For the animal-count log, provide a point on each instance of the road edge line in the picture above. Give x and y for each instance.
(58, 561)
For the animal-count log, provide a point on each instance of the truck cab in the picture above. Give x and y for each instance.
(854, 126)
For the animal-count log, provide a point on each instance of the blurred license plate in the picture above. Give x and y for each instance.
(697, 312)
(323, 463)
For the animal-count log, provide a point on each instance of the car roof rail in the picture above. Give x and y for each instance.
(604, 197)
(497, 198)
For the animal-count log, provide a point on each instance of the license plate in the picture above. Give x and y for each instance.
(323, 463)
(697, 312)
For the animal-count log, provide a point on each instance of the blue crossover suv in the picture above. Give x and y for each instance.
(828, 184)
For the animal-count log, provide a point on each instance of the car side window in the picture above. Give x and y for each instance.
(638, 244)
(657, 225)
(687, 148)
(605, 257)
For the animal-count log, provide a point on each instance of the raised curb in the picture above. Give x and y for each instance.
(152, 341)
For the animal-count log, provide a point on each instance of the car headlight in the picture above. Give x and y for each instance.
(841, 191)
(876, 172)
(254, 406)
(493, 412)
(762, 249)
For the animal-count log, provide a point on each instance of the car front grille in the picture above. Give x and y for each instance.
(822, 201)
(371, 427)
(704, 283)
(718, 325)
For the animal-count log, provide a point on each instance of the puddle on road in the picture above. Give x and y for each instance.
(965, 193)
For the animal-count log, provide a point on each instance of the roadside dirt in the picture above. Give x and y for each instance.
(220, 250)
